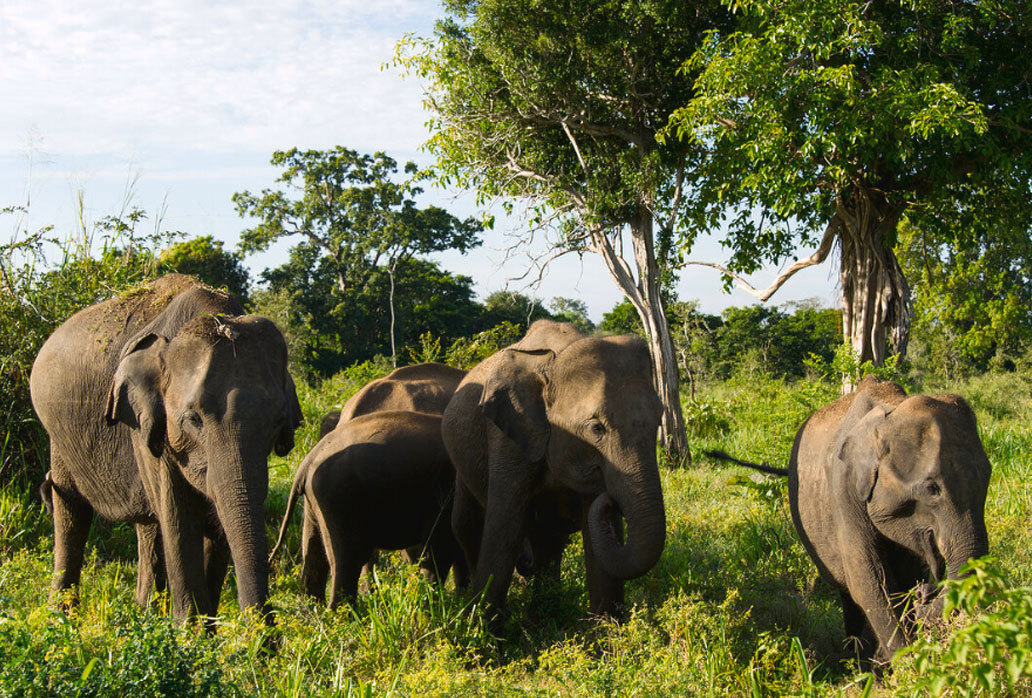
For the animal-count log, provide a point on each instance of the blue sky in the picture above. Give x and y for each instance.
(177, 104)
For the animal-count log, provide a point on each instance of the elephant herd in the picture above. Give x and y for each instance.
(162, 406)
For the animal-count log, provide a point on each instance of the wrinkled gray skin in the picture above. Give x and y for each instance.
(381, 480)
(162, 407)
(886, 489)
(425, 387)
(554, 434)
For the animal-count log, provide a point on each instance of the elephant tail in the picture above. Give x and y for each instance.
(46, 493)
(762, 467)
(297, 488)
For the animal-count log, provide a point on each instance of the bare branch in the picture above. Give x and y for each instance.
(830, 234)
(576, 148)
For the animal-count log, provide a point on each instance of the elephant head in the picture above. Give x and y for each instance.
(920, 471)
(211, 402)
(590, 414)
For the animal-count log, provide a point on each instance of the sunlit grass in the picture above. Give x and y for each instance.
(733, 608)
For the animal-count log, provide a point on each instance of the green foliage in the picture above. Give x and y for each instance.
(971, 270)
(573, 311)
(848, 366)
(805, 101)
(986, 651)
(204, 258)
(38, 295)
(429, 349)
(46, 654)
(358, 259)
(467, 352)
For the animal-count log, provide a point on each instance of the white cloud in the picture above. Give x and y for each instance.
(221, 77)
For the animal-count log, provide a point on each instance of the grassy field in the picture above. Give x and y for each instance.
(733, 608)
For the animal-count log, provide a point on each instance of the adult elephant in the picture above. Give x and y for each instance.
(888, 491)
(162, 406)
(557, 433)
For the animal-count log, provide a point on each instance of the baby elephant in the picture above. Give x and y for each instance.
(886, 491)
(379, 481)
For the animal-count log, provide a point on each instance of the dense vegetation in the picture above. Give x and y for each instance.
(732, 608)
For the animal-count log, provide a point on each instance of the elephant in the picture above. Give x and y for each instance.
(425, 387)
(887, 490)
(162, 406)
(377, 481)
(554, 434)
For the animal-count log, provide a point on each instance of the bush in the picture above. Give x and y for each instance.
(35, 299)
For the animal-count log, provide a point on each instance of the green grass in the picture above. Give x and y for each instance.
(733, 608)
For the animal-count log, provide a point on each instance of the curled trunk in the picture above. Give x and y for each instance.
(639, 498)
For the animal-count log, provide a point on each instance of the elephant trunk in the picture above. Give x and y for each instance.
(973, 543)
(637, 495)
(239, 492)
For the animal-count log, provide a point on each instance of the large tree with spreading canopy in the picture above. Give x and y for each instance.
(828, 121)
(559, 105)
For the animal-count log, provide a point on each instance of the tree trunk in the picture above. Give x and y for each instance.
(394, 351)
(647, 301)
(876, 303)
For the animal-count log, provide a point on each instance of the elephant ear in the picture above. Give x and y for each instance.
(514, 399)
(285, 438)
(135, 398)
(861, 448)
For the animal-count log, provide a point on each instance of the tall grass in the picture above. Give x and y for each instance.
(733, 608)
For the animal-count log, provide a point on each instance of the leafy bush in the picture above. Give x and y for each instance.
(36, 297)
(987, 650)
(467, 352)
(49, 654)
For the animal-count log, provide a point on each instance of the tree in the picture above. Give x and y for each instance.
(514, 308)
(328, 331)
(573, 311)
(205, 258)
(844, 115)
(972, 276)
(559, 105)
(350, 211)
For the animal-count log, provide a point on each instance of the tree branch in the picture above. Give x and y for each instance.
(830, 234)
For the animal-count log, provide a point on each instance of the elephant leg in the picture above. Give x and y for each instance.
(467, 527)
(345, 562)
(315, 569)
(505, 522)
(868, 584)
(216, 562)
(858, 630)
(183, 542)
(72, 520)
(150, 571)
(365, 576)
(605, 592)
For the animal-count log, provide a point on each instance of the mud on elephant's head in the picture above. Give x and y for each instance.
(215, 399)
(590, 412)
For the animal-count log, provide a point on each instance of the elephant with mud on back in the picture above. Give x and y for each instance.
(162, 406)
(425, 388)
(553, 434)
(887, 493)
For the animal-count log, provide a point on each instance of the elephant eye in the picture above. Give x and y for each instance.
(932, 489)
(192, 420)
(597, 429)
